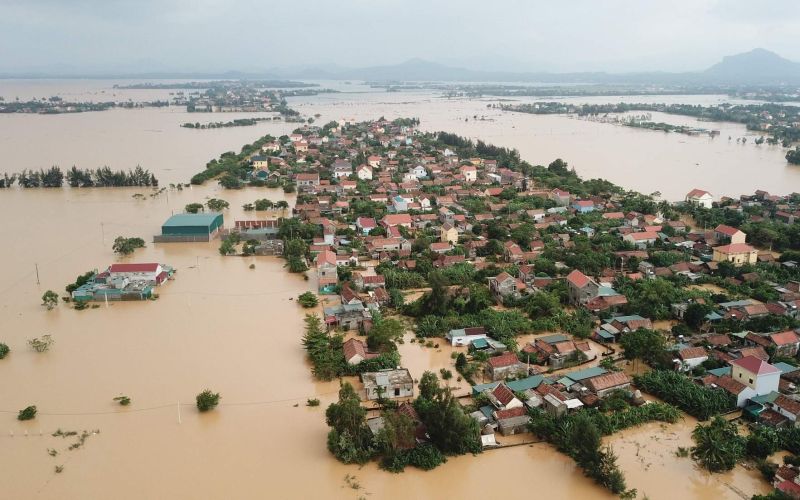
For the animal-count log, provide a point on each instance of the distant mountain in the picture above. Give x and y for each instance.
(756, 66)
(759, 66)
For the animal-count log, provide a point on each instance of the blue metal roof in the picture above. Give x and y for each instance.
(725, 370)
(785, 367)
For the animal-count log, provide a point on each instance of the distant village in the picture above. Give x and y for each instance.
(552, 293)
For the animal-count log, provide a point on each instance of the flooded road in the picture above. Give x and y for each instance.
(220, 325)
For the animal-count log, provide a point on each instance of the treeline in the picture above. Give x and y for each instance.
(54, 177)
(240, 122)
(674, 388)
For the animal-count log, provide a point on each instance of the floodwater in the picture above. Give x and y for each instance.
(220, 325)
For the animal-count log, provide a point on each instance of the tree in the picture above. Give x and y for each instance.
(695, 314)
(450, 429)
(718, 445)
(307, 299)
(349, 439)
(647, 345)
(126, 246)
(207, 400)
(217, 205)
(193, 208)
(4, 350)
(762, 442)
(435, 301)
(50, 299)
(28, 413)
(383, 334)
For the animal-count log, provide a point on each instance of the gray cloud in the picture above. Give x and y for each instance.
(193, 35)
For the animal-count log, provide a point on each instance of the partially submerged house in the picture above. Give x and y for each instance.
(390, 383)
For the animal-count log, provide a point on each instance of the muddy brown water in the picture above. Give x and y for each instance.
(218, 325)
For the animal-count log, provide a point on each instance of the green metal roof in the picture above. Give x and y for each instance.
(524, 384)
(480, 343)
(202, 219)
(477, 389)
(725, 370)
(586, 373)
(766, 398)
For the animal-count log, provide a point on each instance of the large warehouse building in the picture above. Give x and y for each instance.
(190, 227)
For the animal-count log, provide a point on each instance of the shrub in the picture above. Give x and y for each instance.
(123, 400)
(312, 402)
(41, 345)
(50, 299)
(4, 350)
(207, 400)
(307, 299)
(27, 414)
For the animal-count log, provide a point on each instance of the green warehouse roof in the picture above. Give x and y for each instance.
(183, 220)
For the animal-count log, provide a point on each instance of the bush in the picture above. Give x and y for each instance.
(28, 413)
(123, 400)
(207, 400)
(307, 299)
(50, 299)
(41, 345)
(126, 246)
(674, 388)
(4, 350)
(312, 402)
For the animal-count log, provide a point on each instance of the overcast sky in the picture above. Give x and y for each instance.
(518, 35)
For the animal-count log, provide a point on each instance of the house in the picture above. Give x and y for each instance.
(355, 351)
(603, 385)
(641, 240)
(583, 206)
(390, 383)
(463, 336)
(469, 172)
(502, 397)
(736, 253)
(786, 343)
(307, 180)
(699, 197)
(787, 407)
(366, 224)
(756, 375)
(364, 172)
(327, 271)
(504, 285)
(505, 366)
(448, 233)
(582, 288)
(691, 357)
(369, 282)
(512, 421)
(137, 272)
(560, 197)
(392, 220)
(347, 316)
(419, 172)
(729, 234)
(556, 350)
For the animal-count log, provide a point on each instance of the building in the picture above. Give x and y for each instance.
(786, 343)
(758, 377)
(124, 282)
(389, 383)
(355, 351)
(700, 197)
(582, 288)
(364, 172)
(505, 366)
(469, 172)
(464, 336)
(729, 234)
(692, 357)
(448, 234)
(736, 253)
(190, 227)
(327, 271)
(505, 285)
(602, 385)
(640, 240)
(787, 407)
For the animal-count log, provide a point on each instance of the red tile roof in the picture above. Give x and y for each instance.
(133, 268)
(505, 359)
(578, 279)
(692, 353)
(735, 248)
(755, 365)
(785, 338)
(510, 413)
(790, 405)
(730, 385)
(503, 394)
(607, 381)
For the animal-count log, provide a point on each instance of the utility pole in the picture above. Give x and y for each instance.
(37, 274)
(103, 232)
(179, 412)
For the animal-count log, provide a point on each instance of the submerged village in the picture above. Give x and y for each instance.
(571, 309)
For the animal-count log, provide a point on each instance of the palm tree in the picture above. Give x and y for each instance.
(718, 445)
